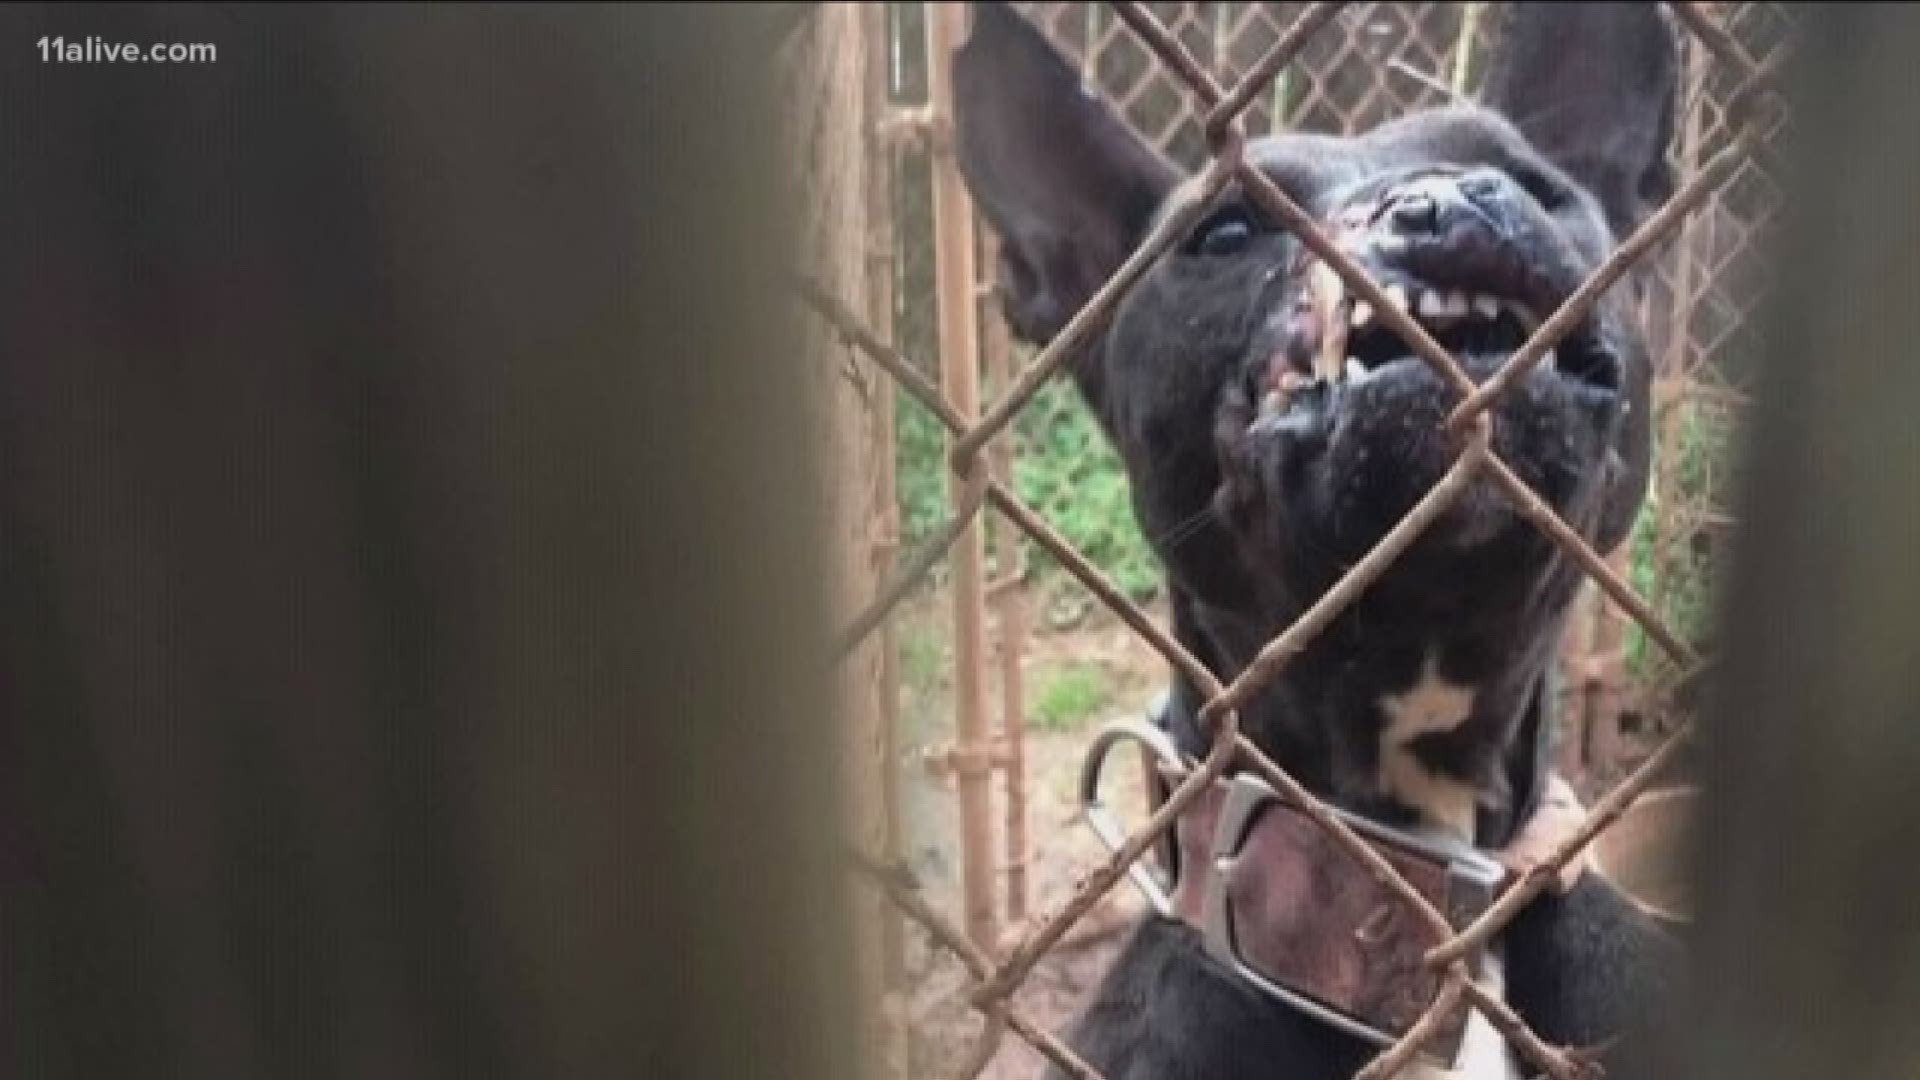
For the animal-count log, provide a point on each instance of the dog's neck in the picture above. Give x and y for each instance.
(1444, 726)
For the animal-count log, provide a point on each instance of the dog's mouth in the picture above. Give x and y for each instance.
(1339, 427)
(1334, 338)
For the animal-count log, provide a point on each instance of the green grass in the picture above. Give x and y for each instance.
(1069, 473)
(1067, 697)
(922, 645)
(920, 467)
(1676, 576)
(923, 656)
(1063, 468)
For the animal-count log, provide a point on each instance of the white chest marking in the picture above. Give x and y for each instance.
(1431, 705)
(1434, 705)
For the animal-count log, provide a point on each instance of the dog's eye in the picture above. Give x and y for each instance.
(1545, 190)
(1225, 233)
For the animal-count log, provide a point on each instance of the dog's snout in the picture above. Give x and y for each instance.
(1414, 212)
(1481, 185)
(1439, 205)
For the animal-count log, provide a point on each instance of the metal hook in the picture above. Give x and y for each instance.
(1101, 818)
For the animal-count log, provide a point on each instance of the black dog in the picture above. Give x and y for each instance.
(1262, 473)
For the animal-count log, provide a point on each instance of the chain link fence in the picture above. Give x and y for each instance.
(1200, 79)
(1376, 61)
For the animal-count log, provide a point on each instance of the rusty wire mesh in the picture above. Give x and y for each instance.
(1230, 91)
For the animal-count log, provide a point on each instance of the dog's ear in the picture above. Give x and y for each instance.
(1593, 86)
(1064, 182)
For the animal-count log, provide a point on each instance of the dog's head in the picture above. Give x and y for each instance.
(1274, 430)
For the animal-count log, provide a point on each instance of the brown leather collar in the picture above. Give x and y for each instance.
(1284, 908)
(1279, 901)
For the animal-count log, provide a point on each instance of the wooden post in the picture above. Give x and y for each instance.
(1463, 49)
(1671, 402)
(1600, 676)
(1218, 45)
(1009, 607)
(1604, 675)
(1680, 325)
(876, 44)
(1575, 648)
(960, 375)
(829, 86)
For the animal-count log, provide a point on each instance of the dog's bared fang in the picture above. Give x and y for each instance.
(1274, 431)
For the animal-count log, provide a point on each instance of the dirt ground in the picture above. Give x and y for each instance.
(944, 1031)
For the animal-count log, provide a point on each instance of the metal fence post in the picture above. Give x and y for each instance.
(1009, 610)
(960, 360)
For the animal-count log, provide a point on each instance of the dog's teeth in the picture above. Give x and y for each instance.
(1551, 361)
(1456, 305)
(1528, 321)
(1486, 307)
(1355, 370)
(1362, 314)
(1330, 301)
(1397, 294)
(1432, 305)
(1272, 402)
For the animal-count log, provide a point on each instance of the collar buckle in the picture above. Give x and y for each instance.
(1364, 972)
(1280, 906)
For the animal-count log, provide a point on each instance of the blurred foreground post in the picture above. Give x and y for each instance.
(827, 98)
(1809, 936)
(411, 583)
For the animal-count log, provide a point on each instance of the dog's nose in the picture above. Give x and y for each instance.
(1414, 212)
(1434, 205)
